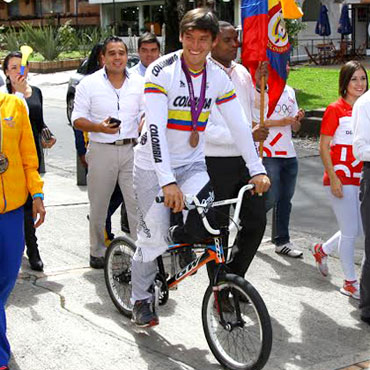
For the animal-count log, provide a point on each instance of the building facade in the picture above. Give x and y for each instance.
(40, 12)
(135, 17)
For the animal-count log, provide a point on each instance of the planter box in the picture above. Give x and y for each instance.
(54, 66)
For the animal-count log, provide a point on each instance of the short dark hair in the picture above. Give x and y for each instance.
(346, 73)
(224, 24)
(112, 39)
(200, 19)
(148, 38)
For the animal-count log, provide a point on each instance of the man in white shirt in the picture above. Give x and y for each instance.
(180, 90)
(361, 150)
(111, 92)
(148, 48)
(226, 167)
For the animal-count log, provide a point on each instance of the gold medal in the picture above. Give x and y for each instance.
(4, 163)
(194, 139)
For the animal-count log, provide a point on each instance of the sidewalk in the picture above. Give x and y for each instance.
(64, 318)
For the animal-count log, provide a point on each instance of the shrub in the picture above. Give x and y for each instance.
(12, 40)
(67, 36)
(45, 40)
(87, 38)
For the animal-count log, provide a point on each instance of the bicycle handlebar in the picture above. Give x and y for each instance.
(192, 202)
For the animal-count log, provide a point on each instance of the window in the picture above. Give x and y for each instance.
(225, 10)
(49, 6)
(38, 8)
(129, 20)
(57, 6)
(362, 14)
(153, 18)
(13, 9)
(311, 10)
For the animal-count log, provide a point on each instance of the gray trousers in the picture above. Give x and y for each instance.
(154, 221)
(107, 165)
(365, 213)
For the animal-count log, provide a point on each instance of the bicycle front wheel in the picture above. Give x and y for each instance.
(236, 324)
(117, 273)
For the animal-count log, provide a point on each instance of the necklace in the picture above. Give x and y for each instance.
(195, 106)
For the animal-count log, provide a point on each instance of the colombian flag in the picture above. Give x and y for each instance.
(265, 39)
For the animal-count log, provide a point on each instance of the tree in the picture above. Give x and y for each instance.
(175, 10)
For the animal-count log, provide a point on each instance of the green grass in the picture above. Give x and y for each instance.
(315, 87)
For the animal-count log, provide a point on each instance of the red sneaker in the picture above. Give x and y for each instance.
(321, 259)
(351, 289)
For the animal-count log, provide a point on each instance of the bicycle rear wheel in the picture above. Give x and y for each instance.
(117, 273)
(239, 331)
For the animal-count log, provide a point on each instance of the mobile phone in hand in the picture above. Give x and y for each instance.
(114, 122)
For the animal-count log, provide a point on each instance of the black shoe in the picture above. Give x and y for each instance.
(96, 262)
(144, 315)
(365, 319)
(35, 261)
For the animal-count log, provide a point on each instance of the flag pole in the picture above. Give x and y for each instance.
(262, 111)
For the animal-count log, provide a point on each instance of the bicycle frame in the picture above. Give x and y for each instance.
(213, 252)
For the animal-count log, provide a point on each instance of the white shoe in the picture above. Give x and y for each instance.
(321, 259)
(288, 250)
(351, 289)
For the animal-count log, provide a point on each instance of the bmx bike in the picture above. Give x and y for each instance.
(235, 319)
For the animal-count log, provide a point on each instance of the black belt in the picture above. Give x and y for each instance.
(367, 165)
(123, 142)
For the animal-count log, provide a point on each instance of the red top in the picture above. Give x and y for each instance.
(337, 123)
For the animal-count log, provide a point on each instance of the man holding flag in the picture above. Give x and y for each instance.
(265, 38)
(225, 164)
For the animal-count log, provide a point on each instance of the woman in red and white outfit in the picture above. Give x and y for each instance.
(342, 175)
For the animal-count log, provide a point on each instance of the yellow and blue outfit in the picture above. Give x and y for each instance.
(21, 178)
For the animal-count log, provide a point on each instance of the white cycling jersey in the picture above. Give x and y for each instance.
(164, 144)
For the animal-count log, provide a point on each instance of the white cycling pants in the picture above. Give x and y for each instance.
(347, 213)
(154, 221)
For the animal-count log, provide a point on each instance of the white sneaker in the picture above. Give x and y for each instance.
(351, 289)
(288, 250)
(321, 259)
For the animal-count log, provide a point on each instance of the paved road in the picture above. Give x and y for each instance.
(64, 318)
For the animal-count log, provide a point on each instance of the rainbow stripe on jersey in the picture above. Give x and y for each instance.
(181, 120)
(154, 88)
(225, 98)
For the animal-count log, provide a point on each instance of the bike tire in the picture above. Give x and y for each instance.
(252, 341)
(117, 273)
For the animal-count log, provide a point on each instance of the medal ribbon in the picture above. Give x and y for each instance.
(196, 109)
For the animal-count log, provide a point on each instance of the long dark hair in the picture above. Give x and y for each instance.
(346, 73)
(93, 59)
(13, 54)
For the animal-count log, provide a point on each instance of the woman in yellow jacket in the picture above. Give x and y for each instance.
(18, 177)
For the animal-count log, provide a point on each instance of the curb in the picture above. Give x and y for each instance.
(358, 366)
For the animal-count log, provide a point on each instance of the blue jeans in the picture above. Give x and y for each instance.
(11, 251)
(283, 175)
